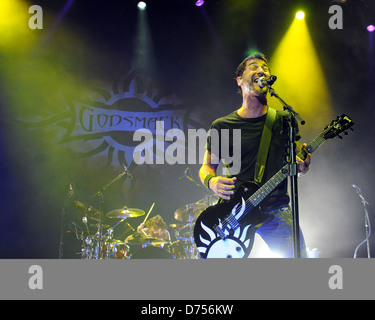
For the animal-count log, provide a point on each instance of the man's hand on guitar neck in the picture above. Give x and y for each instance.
(303, 165)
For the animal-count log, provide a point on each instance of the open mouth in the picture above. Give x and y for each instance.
(256, 80)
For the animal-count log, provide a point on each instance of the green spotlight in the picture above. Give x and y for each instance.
(300, 15)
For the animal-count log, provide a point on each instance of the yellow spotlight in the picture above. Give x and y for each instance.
(300, 77)
(14, 28)
(300, 15)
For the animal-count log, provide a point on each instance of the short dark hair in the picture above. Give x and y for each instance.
(241, 68)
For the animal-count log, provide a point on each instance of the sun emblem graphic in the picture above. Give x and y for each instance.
(223, 238)
(104, 126)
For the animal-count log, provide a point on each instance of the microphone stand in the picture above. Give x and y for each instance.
(293, 172)
(367, 224)
(101, 194)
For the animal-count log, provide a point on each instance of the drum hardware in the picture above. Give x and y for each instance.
(136, 239)
(63, 218)
(96, 245)
(100, 193)
(184, 247)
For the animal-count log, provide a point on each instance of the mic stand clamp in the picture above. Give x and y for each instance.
(293, 172)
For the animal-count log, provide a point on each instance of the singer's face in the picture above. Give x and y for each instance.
(255, 68)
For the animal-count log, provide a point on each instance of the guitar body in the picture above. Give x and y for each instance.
(218, 236)
(227, 229)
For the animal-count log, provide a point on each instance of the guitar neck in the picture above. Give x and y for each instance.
(283, 173)
(314, 144)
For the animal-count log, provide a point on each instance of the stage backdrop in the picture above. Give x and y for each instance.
(104, 88)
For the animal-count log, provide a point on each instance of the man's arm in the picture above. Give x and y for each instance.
(221, 186)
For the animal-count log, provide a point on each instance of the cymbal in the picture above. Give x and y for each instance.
(96, 225)
(188, 212)
(84, 208)
(208, 201)
(125, 213)
(191, 211)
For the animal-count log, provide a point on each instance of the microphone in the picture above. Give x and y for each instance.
(265, 82)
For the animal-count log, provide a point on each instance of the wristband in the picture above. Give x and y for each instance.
(207, 180)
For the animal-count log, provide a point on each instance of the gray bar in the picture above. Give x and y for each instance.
(213, 279)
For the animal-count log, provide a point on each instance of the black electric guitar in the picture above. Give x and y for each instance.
(226, 230)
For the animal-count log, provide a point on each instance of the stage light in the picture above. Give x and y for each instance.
(199, 3)
(14, 17)
(371, 28)
(300, 76)
(142, 5)
(300, 15)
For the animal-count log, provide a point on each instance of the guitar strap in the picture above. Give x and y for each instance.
(264, 145)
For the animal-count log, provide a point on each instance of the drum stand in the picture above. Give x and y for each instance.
(100, 193)
(63, 217)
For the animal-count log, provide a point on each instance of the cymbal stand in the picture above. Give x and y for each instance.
(367, 223)
(100, 193)
(63, 217)
(293, 172)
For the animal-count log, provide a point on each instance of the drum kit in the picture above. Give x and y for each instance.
(98, 239)
(104, 245)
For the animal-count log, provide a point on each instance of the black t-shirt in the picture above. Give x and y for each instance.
(237, 145)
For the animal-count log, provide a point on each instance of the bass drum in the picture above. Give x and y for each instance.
(152, 253)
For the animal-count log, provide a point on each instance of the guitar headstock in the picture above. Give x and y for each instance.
(341, 125)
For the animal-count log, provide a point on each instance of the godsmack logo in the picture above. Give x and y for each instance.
(130, 124)
(105, 126)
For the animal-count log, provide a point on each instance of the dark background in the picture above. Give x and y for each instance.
(95, 43)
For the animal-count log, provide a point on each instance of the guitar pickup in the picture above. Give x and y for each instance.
(220, 232)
